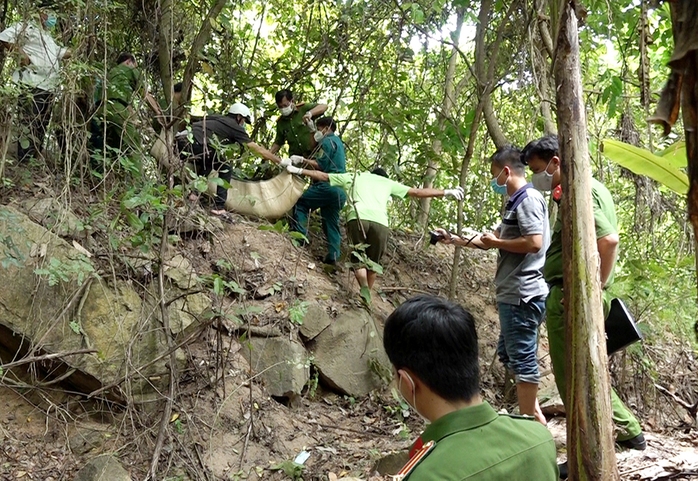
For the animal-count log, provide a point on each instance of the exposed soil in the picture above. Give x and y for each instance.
(224, 425)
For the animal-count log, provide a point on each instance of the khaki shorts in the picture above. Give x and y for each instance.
(371, 233)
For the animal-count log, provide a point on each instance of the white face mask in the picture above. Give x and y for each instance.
(413, 405)
(318, 136)
(543, 181)
(286, 111)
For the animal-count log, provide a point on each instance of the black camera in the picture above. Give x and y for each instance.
(435, 237)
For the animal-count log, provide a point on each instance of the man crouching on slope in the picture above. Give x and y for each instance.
(432, 344)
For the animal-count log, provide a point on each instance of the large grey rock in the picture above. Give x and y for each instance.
(283, 363)
(69, 308)
(349, 354)
(315, 321)
(103, 468)
(54, 216)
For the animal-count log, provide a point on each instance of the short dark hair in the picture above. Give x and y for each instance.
(123, 57)
(436, 340)
(380, 171)
(178, 87)
(509, 156)
(544, 148)
(326, 122)
(283, 94)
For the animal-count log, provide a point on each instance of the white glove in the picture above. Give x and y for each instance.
(456, 193)
(294, 170)
(285, 162)
(307, 117)
(297, 159)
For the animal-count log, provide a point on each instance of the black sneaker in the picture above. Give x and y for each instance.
(562, 468)
(638, 442)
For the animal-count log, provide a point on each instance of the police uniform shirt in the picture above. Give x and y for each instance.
(478, 444)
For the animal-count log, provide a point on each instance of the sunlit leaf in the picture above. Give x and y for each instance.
(643, 162)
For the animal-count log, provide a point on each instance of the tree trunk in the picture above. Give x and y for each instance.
(485, 75)
(444, 116)
(455, 268)
(590, 449)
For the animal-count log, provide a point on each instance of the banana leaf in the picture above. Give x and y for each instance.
(676, 154)
(643, 162)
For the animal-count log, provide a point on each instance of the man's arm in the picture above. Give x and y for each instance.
(474, 242)
(319, 109)
(422, 193)
(262, 152)
(313, 174)
(608, 250)
(527, 244)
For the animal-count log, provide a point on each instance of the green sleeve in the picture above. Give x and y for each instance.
(280, 138)
(341, 180)
(604, 226)
(398, 190)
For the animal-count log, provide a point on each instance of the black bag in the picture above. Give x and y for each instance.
(621, 330)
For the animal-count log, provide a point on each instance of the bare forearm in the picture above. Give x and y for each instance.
(319, 109)
(474, 242)
(262, 152)
(608, 251)
(427, 192)
(316, 174)
(521, 245)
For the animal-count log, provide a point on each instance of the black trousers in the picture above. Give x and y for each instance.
(205, 161)
(34, 116)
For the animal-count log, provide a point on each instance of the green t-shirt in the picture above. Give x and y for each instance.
(476, 443)
(122, 83)
(291, 129)
(606, 224)
(368, 195)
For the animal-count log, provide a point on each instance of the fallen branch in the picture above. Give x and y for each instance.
(389, 289)
(45, 357)
(691, 408)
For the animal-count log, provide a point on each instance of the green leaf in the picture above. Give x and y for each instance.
(75, 326)
(675, 154)
(643, 162)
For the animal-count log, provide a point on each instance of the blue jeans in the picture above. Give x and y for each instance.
(518, 338)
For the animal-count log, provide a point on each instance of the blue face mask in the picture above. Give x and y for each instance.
(498, 189)
(50, 21)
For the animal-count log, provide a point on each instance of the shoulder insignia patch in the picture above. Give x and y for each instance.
(414, 460)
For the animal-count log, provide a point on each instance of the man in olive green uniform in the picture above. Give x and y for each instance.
(295, 126)
(432, 344)
(124, 82)
(542, 156)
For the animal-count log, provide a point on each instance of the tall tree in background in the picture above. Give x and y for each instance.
(681, 93)
(591, 454)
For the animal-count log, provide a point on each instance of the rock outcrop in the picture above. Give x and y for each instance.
(53, 301)
(349, 354)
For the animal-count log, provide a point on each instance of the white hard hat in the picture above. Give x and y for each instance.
(241, 109)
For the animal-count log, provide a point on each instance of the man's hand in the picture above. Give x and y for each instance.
(456, 193)
(294, 170)
(285, 162)
(446, 237)
(489, 240)
(297, 159)
(307, 117)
